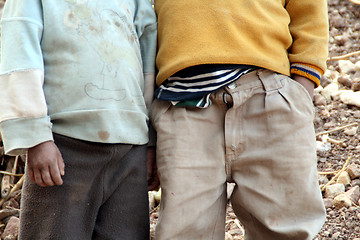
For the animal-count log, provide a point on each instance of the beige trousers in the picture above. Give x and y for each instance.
(263, 141)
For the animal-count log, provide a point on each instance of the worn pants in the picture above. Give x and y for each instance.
(104, 195)
(263, 140)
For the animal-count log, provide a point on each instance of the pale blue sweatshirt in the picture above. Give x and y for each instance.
(76, 68)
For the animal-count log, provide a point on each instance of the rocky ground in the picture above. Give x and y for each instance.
(337, 105)
(342, 223)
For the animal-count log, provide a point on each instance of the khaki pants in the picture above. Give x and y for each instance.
(263, 141)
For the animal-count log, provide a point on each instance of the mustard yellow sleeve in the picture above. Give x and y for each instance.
(309, 29)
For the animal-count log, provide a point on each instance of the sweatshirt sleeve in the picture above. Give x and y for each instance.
(23, 116)
(309, 28)
(146, 28)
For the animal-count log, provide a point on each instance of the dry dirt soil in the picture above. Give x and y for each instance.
(344, 18)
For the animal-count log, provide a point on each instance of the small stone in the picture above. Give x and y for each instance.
(336, 235)
(326, 233)
(357, 66)
(323, 179)
(355, 86)
(151, 200)
(337, 21)
(329, 125)
(229, 189)
(328, 203)
(356, 114)
(350, 97)
(353, 194)
(345, 80)
(344, 178)
(332, 213)
(353, 170)
(12, 229)
(334, 190)
(323, 147)
(329, 90)
(355, 182)
(325, 80)
(319, 100)
(351, 131)
(325, 113)
(341, 201)
(346, 66)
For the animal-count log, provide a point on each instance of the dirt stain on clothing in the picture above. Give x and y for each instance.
(104, 135)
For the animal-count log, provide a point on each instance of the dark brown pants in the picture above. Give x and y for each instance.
(104, 195)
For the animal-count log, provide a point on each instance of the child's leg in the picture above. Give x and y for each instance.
(277, 196)
(125, 211)
(191, 166)
(69, 211)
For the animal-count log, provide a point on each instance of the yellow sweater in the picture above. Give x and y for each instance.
(273, 34)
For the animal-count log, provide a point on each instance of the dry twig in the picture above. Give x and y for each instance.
(336, 129)
(346, 56)
(355, 1)
(17, 186)
(237, 222)
(155, 209)
(228, 236)
(16, 161)
(6, 212)
(337, 142)
(328, 173)
(6, 180)
(11, 174)
(337, 175)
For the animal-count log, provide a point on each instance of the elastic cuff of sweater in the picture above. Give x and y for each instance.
(20, 134)
(306, 70)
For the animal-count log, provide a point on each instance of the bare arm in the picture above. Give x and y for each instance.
(308, 84)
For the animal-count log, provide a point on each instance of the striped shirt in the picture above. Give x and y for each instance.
(192, 86)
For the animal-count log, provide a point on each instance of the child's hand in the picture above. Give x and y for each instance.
(45, 164)
(308, 84)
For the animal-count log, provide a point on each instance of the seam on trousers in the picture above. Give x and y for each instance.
(112, 152)
(269, 80)
(216, 220)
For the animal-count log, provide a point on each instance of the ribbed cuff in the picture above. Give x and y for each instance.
(306, 70)
(20, 134)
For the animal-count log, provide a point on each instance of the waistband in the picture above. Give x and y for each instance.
(267, 79)
(257, 78)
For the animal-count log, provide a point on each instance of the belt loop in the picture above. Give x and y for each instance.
(227, 99)
(269, 80)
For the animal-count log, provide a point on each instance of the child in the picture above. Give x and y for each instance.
(72, 97)
(234, 105)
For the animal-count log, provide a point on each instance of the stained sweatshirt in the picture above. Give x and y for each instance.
(76, 68)
(285, 36)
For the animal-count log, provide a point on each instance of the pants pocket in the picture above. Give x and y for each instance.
(297, 95)
(157, 109)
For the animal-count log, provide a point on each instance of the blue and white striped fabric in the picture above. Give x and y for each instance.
(192, 86)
